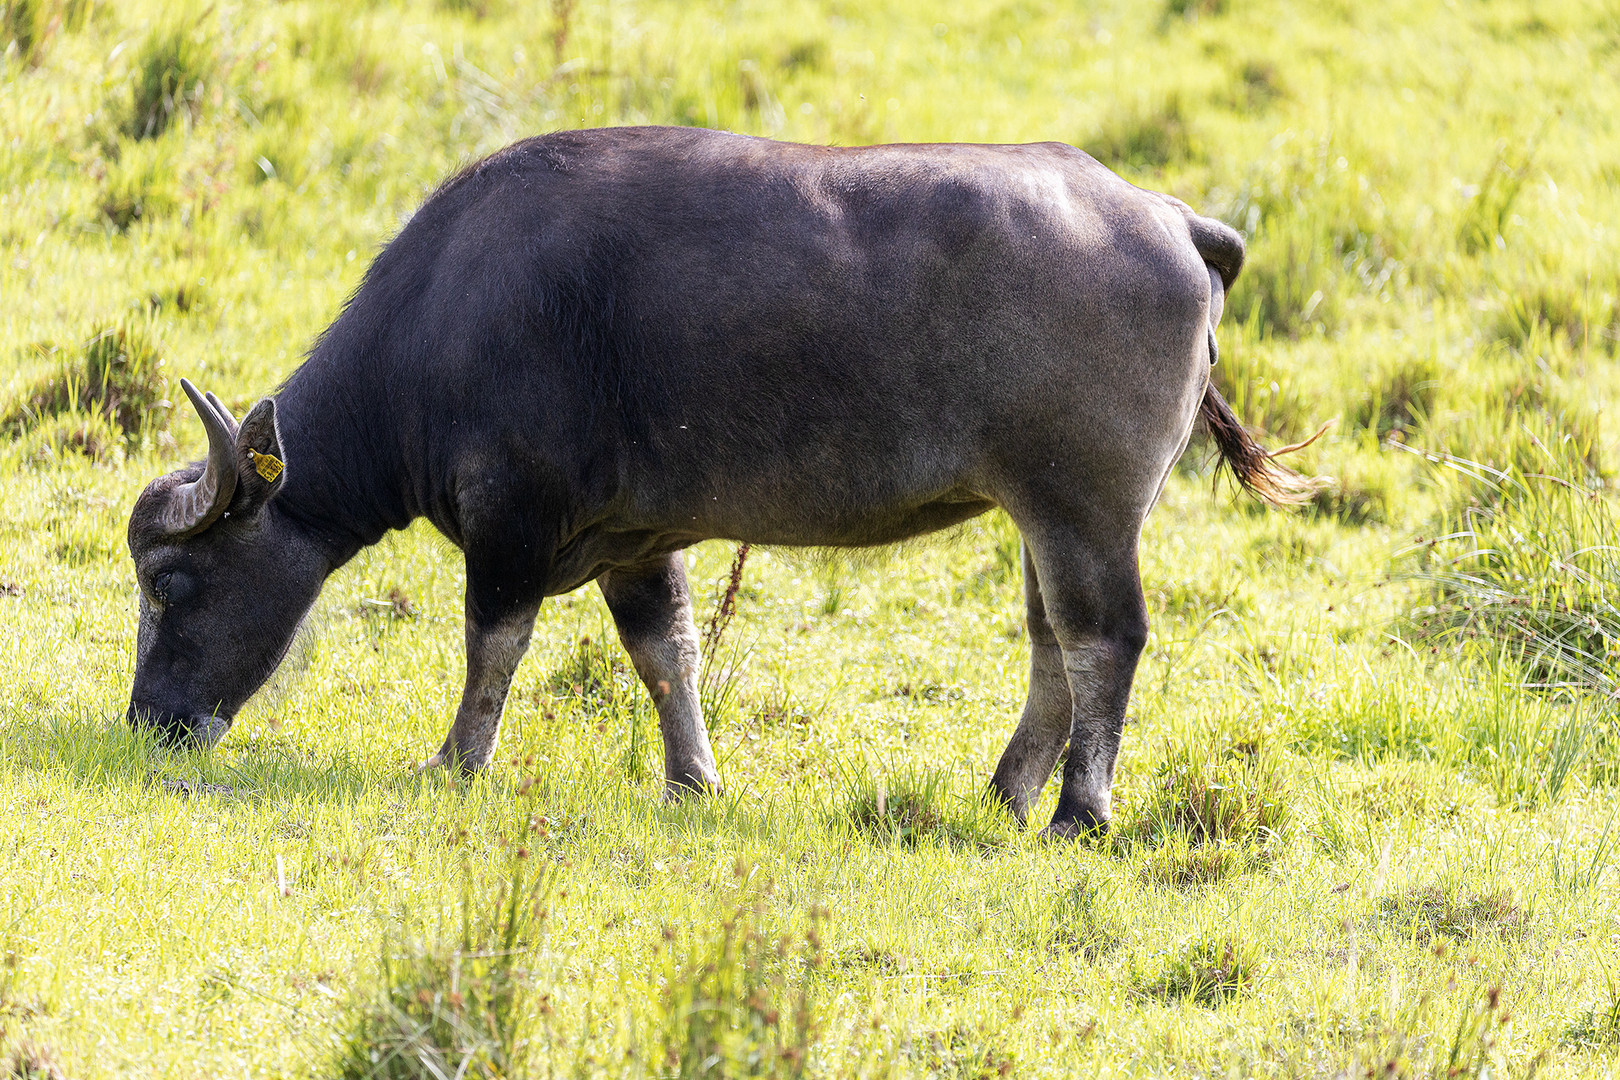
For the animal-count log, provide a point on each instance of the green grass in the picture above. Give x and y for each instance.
(1365, 805)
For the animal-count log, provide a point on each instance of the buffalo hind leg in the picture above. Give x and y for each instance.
(1092, 594)
(652, 607)
(1043, 730)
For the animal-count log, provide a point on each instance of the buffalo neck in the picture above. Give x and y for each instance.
(346, 483)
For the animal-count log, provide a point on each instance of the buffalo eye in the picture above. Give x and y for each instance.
(160, 585)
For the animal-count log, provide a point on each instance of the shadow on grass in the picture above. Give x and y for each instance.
(98, 754)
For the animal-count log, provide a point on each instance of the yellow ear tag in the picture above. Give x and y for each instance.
(266, 465)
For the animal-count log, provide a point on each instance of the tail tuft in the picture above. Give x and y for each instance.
(1253, 466)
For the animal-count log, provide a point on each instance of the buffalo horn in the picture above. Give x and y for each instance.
(197, 505)
(224, 414)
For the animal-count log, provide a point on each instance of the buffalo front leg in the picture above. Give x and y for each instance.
(1043, 730)
(495, 645)
(1093, 599)
(652, 608)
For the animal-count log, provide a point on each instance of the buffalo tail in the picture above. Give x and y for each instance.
(1254, 467)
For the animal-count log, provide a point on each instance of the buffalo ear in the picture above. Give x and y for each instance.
(261, 468)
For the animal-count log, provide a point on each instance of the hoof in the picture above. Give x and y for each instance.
(1002, 800)
(678, 788)
(429, 764)
(1085, 827)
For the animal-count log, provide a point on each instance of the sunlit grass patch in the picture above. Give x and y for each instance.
(1149, 135)
(1433, 1038)
(1207, 971)
(31, 1061)
(140, 187)
(459, 1006)
(1180, 863)
(89, 434)
(1576, 310)
(1516, 422)
(1536, 576)
(1290, 284)
(114, 381)
(1454, 913)
(1215, 793)
(1363, 486)
(26, 27)
(1260, 390)
(960, 1052)
(1598, 1026)
(739, 1001)
(1410, 788)
(598, 674)
(172, 68)
(1400, 397)
(1084, 918)
(909, 806)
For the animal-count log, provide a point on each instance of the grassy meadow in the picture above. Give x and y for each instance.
(1366, 808)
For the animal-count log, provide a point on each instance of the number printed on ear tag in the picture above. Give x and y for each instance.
(266, 465)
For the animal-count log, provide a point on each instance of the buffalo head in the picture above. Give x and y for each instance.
(225, 578)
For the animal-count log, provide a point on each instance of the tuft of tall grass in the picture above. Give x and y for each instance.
(1209, 971)
(25, 27)
(1149, 135)
(1539, 306)
(116, 376)
(1598, 1026)
(458, 1007)
(1182, 864)
(960, 1052)
(1486, 219)
(1085, 919)
(1257, 86)
(910, 806)
(89, 435)
(595, 673)
(1192, 10)
(720, 676)
(598, 678)
(738, 1002)
(31, 1061)
(477, 9)
(172, 68)
(1290, 282)
(1400, 397)
(140, 186)
(1262, 395)
(1318, 226)
(1425, 1043)
(1535, 575)
(1365, 482)
(1219, 795)
(1435, 911)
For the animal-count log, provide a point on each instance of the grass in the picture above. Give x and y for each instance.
(1364, 808)
(1208, 972)
(453, 1008)
(117, 374)
(1536, 575)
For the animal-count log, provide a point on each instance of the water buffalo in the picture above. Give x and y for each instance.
(595, 348)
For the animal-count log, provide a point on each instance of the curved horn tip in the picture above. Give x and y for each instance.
(197, 504)
(224, 414)
(197, 400)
